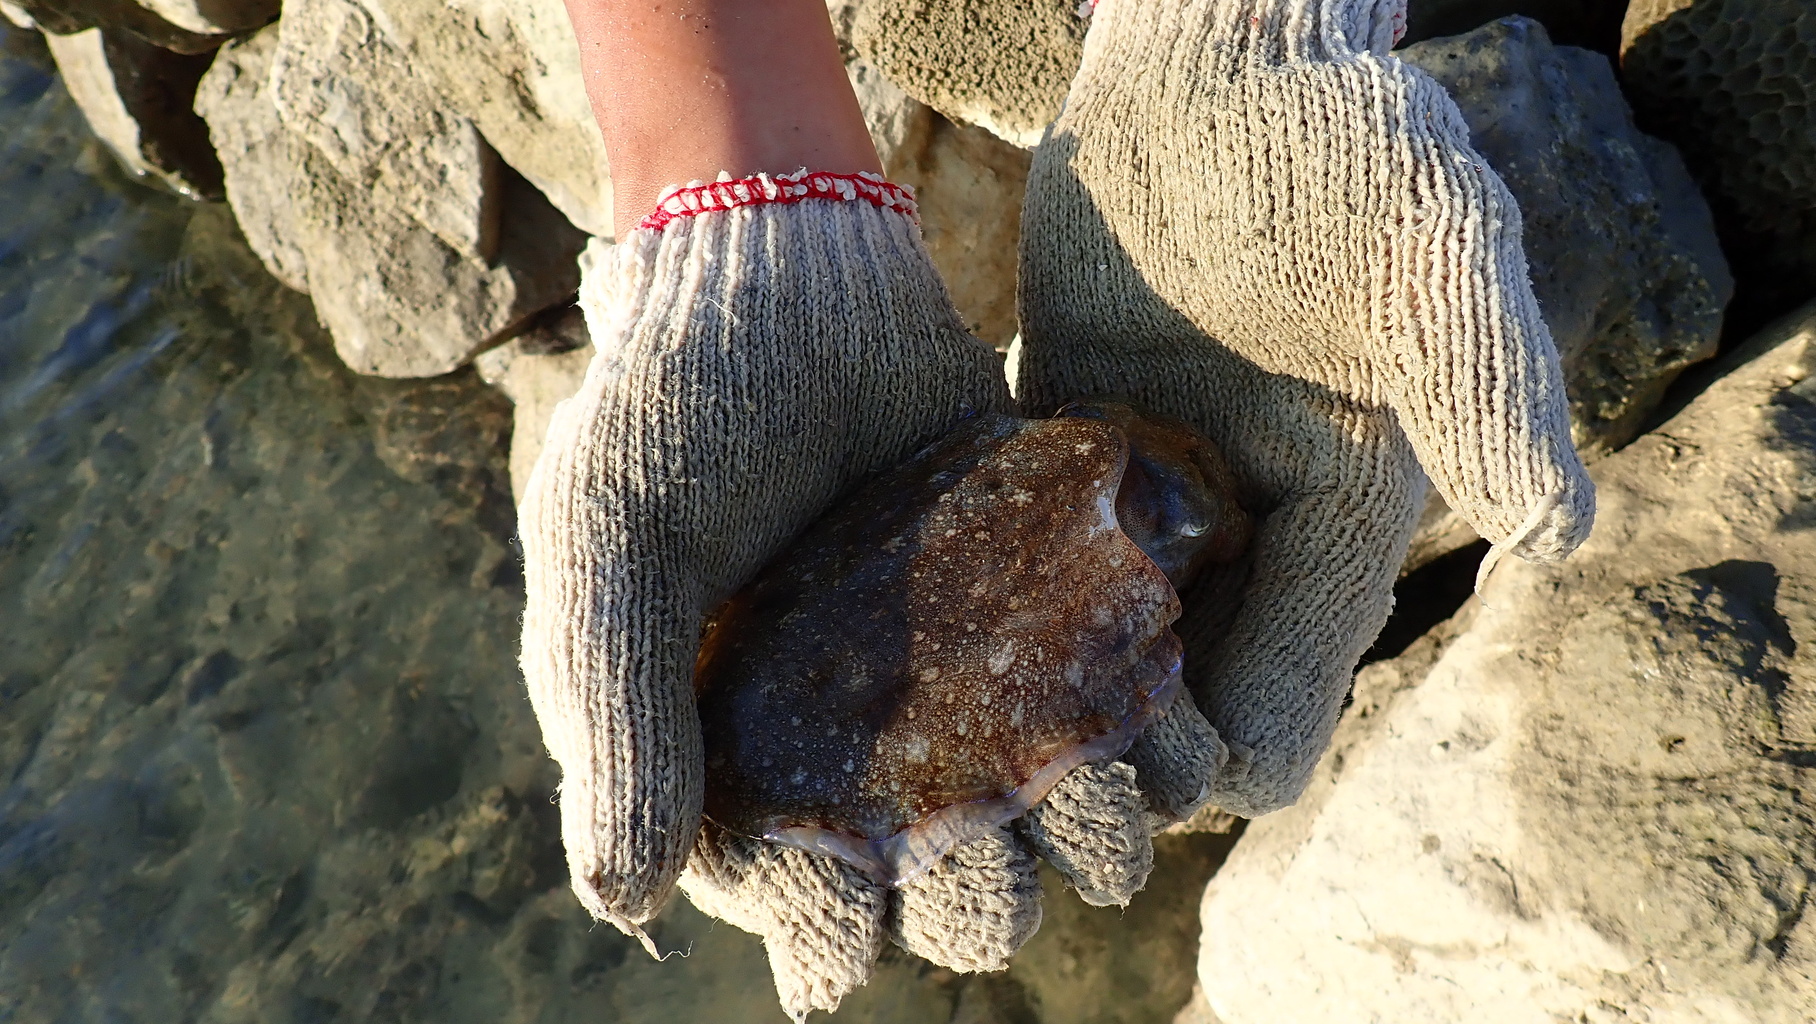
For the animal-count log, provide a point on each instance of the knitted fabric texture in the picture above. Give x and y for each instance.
(1095, 831)
(752, 365)
(820, 919)
(972, 909)
(1251, 217)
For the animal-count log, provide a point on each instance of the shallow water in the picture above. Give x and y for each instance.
(266, 755)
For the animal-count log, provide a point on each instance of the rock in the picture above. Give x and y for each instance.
(1592, 24)
(1592, 795)
(1623, 254)
(1733, 84)
(1003, 65)
(355, 98)
(67, 17)
(17, 15)
(899, 124)
(137, 99)
(512, 67)
(538, 370)
(215, 17)
(261, 159)
(398, 300)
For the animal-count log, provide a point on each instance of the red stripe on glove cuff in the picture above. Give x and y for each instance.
(729, 193)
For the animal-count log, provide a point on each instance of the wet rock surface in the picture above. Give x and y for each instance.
(266, 751)
(1586, 797)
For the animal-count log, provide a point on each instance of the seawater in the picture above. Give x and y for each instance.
(265, 754)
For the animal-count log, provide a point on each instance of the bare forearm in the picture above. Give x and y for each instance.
(684, 89)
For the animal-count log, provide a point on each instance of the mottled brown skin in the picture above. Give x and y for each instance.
(959, 624)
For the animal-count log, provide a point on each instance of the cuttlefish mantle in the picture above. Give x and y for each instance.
(928, 659)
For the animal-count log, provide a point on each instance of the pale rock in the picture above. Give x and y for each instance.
(1622, 249)
(136, 97)
(1592, 795)
(899, 124)
(1002, 65)
(397, 299)
(513, 68)
(537, 371)
(261, 158)
(969, 187)
(339, 84)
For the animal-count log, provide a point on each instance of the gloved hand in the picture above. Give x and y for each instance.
(1253, 218)
(764, 346)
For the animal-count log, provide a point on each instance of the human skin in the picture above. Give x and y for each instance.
(684, 89)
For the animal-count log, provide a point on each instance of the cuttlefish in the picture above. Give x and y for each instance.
(931, 656)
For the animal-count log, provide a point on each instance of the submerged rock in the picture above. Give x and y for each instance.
(1592, 795)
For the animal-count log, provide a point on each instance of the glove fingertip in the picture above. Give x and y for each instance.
(597, 909)
(1093, 828)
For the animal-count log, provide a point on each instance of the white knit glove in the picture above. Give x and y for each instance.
(764, 346)
(1253, 218)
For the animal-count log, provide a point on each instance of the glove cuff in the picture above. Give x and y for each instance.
(728, 193)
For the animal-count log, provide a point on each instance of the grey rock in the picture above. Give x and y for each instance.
(261, 158)
(899, 124)
(969, 186)
(398, 300)
(1591, 796)
(1592, 24)
(354, 97)
(1003, 65)
(512, 67)
(137, 98)
(1622, 249)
